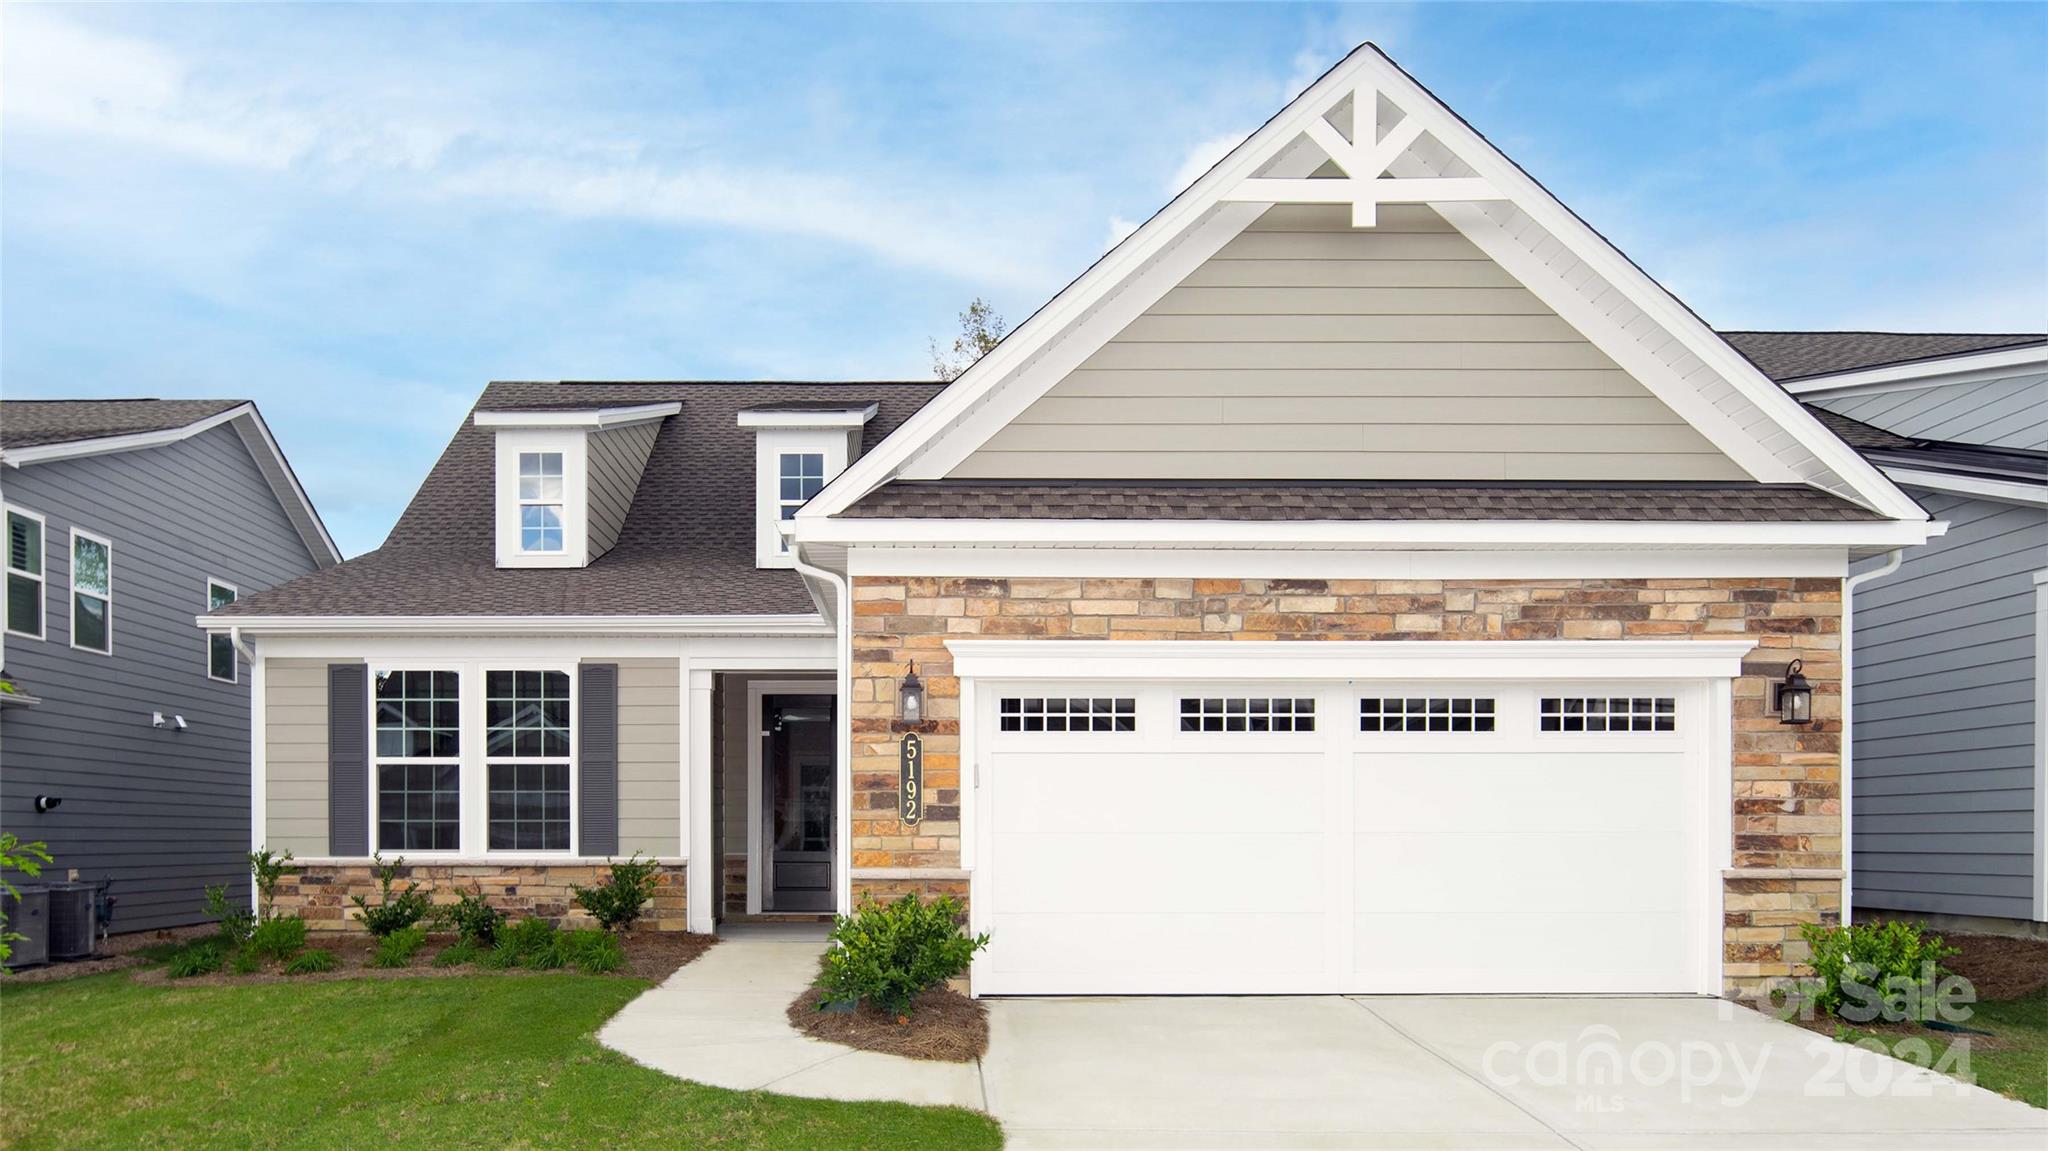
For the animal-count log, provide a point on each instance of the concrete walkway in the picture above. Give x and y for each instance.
(719, 1021)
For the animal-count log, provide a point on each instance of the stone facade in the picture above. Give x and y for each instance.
(320, 893)
(1786, 808)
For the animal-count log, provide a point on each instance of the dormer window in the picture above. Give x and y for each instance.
(540, 501)
(799, 447)
(803, 476)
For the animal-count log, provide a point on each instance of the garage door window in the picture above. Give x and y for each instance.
(1426, 714)
(1068, 714)
(1609, 714)
(1247, 714)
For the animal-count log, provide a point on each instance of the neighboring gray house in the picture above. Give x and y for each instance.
(123, 520)
(1949, 772)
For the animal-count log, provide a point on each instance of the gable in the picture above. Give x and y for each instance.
(1309, 349)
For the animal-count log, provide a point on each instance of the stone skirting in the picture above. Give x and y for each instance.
(320, 893)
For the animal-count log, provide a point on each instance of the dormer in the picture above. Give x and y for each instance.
(565, 479)
(799, 446)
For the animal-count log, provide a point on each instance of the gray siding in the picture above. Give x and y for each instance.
(1944, 717)
(160, 811)
(617, 457)
(1306, 349)
(2007, 413)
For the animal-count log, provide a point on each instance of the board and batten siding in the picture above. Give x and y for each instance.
(617, 457)
(161, 812)
(650, 757)
(2005, 413)
(1306, 349)
(1944, 683)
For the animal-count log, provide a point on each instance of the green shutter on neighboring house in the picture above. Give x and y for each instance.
(597, 760)
(348, 759)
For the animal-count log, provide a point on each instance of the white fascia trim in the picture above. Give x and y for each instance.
(297, 491)
(677, 625)
(848, 417)
(1071, 659)
(104, 445)
(598, 418)
(2008, 491)
(1363, 533)
(1412, 564)
(1964, 369)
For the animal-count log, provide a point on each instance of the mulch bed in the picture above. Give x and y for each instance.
(652, 956)
(945, 1026)
(2000, 968)
(116, 953)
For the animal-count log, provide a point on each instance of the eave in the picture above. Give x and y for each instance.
(473, 625)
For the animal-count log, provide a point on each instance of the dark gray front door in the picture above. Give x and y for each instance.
(801, 780)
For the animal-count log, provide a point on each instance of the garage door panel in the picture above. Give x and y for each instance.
(1523, 952)
(1161, 873)
(1531, 871)
(1508, 789)
(1147, 793)
(1134, 952)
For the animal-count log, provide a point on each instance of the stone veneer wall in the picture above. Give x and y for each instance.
(320, 893)
(1786, 806)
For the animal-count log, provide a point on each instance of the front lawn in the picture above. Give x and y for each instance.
(463, 1061)
(2012, 1060)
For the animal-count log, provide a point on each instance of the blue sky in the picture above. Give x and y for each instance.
(357, 215)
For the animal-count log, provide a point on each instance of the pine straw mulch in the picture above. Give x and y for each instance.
(945, 1026)
(1998, 967)
(652, 956)
(115, 953)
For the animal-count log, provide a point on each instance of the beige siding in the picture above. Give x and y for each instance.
(295, 756)
(650, 757)
(617, 457)
(1306, 349)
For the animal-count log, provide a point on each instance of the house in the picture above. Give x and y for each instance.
(125, 742)
(1362, 578)
(1950, 741)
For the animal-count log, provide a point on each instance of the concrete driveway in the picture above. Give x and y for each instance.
(1461, 1072)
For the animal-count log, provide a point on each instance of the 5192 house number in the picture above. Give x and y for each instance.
(910, 784)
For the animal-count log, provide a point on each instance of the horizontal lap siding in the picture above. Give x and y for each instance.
(1308, 349)
(1944, 713)
(617, 457)
(295, 756)
(2006, 413)
(650, 757)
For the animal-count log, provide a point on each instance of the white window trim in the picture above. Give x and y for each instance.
(484, 761)
(464, 768)
(560, 503)
(770, 445)
(574, 448)
(234, 675)
(71, 579)
(42, 577)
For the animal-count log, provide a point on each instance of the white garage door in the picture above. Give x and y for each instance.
(1207, 837)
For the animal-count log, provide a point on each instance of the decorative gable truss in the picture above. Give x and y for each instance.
(1409, 149)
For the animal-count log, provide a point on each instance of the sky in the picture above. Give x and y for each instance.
(359, 215)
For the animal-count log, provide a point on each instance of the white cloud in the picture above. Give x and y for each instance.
(1201, 158)
(1118, 229)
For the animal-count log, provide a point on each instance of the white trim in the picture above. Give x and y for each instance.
(2033, 492)
(72, 593)
(234, 673)
(592, 418)
(2041, 745)
(842, 669)
(846, 417)
(1348, 659)
(507, 859)
(1966, 368)
(133, 441)
(259, 773)
(834, 447)
(321, 544)
(574, 448)
(469, 625)
(42, 576)
(1161, 563)
(1366, 533)
(1848, 752)
(700, 839)
(757, 871)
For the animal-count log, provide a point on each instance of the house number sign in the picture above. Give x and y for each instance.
(910, 784)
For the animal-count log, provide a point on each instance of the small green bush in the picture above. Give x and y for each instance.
(474, 920)
(595, 952)
(616, 902)
(202, 957)
(393, 911)
(236, 921)
(308, 962)
(398, 948)
(886, 953)
(504, 955)
(529, 936)
(243, 961)
(279, 938)
(269, 868)
(1864, 971)
(458, 953)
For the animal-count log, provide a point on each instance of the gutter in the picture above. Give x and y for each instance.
(1891, 563)
(694, 625)
(842, 659)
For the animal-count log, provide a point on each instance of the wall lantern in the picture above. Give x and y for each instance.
(1794, 697)
(910, 698)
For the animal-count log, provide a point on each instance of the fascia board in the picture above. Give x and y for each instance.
(1348, 659)
(820, 418)
(106, 445)
(2009, 491)
(680, 625)
(295, 491)
(1964, 369)
(598, 418)
(1364, 533)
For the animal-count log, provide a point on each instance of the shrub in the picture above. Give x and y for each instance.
(475, 921)
(504, 955)
(887, 953)
(243, 961)
(528, 936)
(595, 952)
(236, 921)
(279, 938)
(616, 902)
(392, 911)
(27, 858)
(1864, 971)
(269, 867)
(458, 953)
(203, 957)
(308, 962)
(397, 948)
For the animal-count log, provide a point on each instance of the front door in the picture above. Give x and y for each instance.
(796, 759)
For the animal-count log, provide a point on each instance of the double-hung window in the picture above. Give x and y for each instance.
(540, 501)
(526, 751)
(419, 761)
(24, 573)
(802, 475)
(220, 649)
(92, 592)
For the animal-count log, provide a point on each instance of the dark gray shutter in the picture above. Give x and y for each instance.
(597, 761)
(348, 759)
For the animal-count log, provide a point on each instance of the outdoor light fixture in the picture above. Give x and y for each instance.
(1794, 699)
(910, 697)
(47, 802)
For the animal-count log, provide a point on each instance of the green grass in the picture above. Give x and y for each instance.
(478, 1061)
(2012, 1062)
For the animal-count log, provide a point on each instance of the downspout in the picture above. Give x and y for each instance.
(1849, 586)
(842, 588)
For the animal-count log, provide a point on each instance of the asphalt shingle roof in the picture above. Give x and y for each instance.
(1355, 500)
(33, 423)
(1796, 355)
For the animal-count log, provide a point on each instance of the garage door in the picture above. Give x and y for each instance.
(1212, 837)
